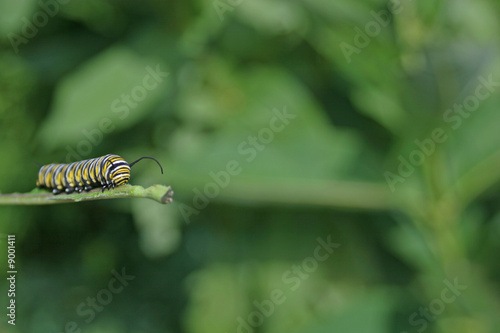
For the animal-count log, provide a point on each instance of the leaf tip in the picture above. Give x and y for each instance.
(167, 197)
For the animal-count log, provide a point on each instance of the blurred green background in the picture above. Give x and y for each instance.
(198, 84)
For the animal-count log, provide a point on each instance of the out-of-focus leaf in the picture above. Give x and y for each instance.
(472, 147)
(215, 288)
(368, 313)
(413, 248)
(110, 92)
(300, 304)
(11, 14)
(306, 145)
(273, 17)
(158, 228)
(98, 15)
(381, 106)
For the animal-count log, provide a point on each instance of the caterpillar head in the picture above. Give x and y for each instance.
(120, 171)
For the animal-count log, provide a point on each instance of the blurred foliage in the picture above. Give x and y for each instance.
(77, 80)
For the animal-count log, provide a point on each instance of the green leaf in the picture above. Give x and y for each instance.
(367, 313)
(307, 145)
(93, 98)
(11, 14)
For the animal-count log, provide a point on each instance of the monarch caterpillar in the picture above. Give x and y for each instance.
(106, 171)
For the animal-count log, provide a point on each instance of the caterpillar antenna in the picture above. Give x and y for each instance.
(151, 158)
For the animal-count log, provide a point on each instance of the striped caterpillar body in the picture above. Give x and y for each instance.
(106, 171)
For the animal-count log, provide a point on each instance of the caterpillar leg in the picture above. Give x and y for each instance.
(108, 186)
